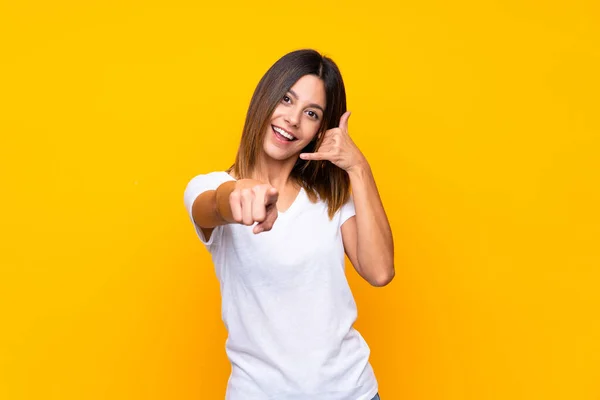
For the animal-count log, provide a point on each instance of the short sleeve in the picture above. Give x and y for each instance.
(198, 185)
(347, 211)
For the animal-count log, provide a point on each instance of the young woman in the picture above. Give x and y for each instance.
(277, 224)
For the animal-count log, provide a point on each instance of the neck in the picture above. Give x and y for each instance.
(274, 172)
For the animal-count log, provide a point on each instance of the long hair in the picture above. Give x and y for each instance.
(319, 178)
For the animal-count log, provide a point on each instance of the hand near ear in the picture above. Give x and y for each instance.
(337, 147)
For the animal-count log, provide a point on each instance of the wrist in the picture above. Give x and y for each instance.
(222, 206)
(360, 168)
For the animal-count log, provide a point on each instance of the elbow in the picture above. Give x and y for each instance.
(383, 278)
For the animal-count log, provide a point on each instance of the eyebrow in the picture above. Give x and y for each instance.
(314, 105)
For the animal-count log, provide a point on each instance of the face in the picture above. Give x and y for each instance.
(296, 119)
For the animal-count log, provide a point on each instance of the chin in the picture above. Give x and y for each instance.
(275, 153)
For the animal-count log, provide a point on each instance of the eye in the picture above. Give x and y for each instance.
(286, 99)
(312, 114)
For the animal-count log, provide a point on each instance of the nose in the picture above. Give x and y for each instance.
(292, 117)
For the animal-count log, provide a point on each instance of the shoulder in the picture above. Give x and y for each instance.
(210, 180)
(212, 176)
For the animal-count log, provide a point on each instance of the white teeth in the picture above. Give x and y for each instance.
(283, 133)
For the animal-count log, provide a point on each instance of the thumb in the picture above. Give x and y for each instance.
(344, 121)
(271, 196)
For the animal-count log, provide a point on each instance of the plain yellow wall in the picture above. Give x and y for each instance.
(481, 123)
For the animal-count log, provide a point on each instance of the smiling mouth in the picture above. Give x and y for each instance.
(282, 134)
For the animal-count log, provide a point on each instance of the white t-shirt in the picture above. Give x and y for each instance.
(287, 306)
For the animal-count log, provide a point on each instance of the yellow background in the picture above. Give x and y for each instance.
(481, 123)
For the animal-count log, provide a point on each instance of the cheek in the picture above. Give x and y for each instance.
(277, 112)
(312, 128)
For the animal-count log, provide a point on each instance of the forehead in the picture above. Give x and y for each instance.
(310, 89)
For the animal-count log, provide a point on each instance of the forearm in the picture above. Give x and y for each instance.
(212, 207)
(375, 246)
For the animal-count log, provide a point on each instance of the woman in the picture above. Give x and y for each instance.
(277, 224)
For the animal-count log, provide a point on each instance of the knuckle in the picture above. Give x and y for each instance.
(247, 193)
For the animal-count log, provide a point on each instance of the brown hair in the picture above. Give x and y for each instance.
(318, 178)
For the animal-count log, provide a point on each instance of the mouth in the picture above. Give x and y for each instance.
(282, 134)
